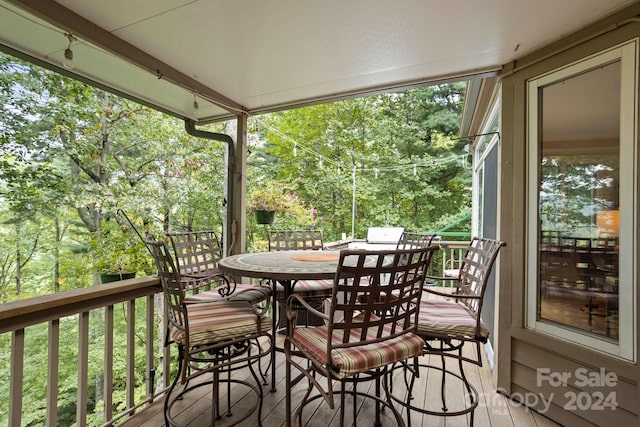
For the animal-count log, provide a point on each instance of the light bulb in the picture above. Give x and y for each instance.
(196, 109)
(68, 59)
(67, 62)
(196, 106)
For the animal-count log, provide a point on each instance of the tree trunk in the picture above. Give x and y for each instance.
(56, 257)
(18, 258)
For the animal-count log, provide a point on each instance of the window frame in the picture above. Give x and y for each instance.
(625, 347)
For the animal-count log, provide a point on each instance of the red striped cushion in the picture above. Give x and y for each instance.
(354, 360)
(212, 322)
(448, 318)
(308, 288)
(253, 294)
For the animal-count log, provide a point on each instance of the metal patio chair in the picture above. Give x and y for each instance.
(197, 254)
(370, 325)
(318, 290)
(447, 325)
(211, 336)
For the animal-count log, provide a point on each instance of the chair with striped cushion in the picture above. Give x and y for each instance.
(293, 240)
(212, 336)
(197, 254)
(363, 332)
(450, 320)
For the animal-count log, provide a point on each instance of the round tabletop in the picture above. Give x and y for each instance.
(282, 265)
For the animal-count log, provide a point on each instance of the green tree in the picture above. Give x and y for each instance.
(403, 146)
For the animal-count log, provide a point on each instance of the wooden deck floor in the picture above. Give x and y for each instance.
(494, 409)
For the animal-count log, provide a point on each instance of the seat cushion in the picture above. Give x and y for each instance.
(308, 289)
(253, 294)
(218, 321)
(448, 318)
(346, 362)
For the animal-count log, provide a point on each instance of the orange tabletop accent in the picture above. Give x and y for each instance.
(316, 257)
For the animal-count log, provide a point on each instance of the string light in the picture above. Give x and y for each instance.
(67, 62)
(376, 170)
(196, 107)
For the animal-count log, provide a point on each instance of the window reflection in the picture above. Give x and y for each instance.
(578, 196)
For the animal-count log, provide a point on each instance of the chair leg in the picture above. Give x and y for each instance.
(167, 396)
(260, 391)
(355, 404)
(263, 374)
(287, 392)
(464, 377)
(229, 390)
(215, 389)
(409, 396)
(342, 400)
(377, 422)
(442, 384)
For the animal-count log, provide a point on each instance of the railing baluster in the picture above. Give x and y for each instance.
(108, 362)
(52, 373)
(131, 353)
(166, 359)
(150, 361)
(17, 376)
(83, 369)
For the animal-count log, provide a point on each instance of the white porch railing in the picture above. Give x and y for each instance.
(17, 316)
(448, 259)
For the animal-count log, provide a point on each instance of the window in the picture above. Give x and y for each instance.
(483, 148)
(581, 272)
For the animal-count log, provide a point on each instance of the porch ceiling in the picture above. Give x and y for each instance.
(258, 56)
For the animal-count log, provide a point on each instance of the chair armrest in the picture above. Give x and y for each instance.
(440, 277)
(291, 314)
(461, 296)
(452, 295)
(203, 275)
(431, 291)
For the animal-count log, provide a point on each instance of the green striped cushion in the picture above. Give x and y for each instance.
(448, 318)
(253, 294)
(308, 289)
(347, 362)
(212, 322)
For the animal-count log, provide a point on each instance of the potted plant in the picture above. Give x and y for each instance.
(267, 200)
(118, 253)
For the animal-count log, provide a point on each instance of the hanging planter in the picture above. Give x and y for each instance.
(266, 200)
(265, 217)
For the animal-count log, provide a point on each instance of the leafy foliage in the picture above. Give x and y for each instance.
(403, 148)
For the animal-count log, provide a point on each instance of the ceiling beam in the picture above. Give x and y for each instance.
(381, 89)
(66, 19)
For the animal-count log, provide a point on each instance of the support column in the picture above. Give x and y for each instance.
(237, 190)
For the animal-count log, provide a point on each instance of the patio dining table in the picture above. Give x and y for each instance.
(284, 267)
